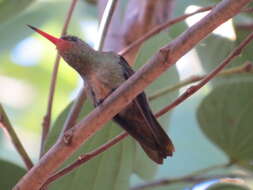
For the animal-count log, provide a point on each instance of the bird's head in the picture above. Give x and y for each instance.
(71, 48)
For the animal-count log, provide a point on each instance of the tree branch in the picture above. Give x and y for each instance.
(47, 118)
(104, 23)
(245, 26)
(138, 22)
(194, 177)
(245, 68)
(123, 95)
(160, 28)
(188, 178)
(164, 26)
(191, 90)
(85, 158)
(6, 124)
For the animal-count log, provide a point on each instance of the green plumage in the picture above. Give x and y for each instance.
(102, 73)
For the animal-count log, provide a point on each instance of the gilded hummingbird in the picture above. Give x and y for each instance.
(102, 73)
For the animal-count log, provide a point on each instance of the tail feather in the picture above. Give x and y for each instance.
(163, 141)
(154, 155)
(143, 126)
(162, 138)
(137, 119)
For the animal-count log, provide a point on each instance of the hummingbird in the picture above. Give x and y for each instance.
(102, 73)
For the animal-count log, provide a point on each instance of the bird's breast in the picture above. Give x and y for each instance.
(100, 89)
(103, 82)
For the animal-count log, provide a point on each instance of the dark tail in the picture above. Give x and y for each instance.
(164, 148)
(164, 142)
(138, 120)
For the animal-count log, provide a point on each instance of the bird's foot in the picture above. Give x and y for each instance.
(100, 101)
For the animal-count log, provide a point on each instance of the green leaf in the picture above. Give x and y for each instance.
(210, 52)
(192, 147)
(246, 54)
(225, 117)
(183, 4)
(179, 10)
(11, 8)
(10, 174)
(94, 2)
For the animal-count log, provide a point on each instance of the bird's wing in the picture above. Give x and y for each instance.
(127, 70)
(141, 102)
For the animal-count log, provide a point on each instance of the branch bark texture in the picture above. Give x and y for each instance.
(165, 58)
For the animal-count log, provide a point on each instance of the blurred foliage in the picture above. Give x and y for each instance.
(222, 110)
(11, 8)
(229, 124)
(91, 1)
(10, 174)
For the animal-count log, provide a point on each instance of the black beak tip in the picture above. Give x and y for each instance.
(31, 27)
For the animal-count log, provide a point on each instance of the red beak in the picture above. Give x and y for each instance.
(53, 39)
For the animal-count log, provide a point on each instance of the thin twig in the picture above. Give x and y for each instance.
(248, 9)
(166, 25)
(75, 110)
(6, 124)
(47, 118)
(103, 29)
(245, 26)
(192, 178)
(245, 68)
(123, 95)
(161, 28)
(104, 24)
(138, 21)
(86, 157)
(191, 90)
(187, 178)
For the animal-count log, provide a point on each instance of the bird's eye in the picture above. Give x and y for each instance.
(72, 38)
(69, 38)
